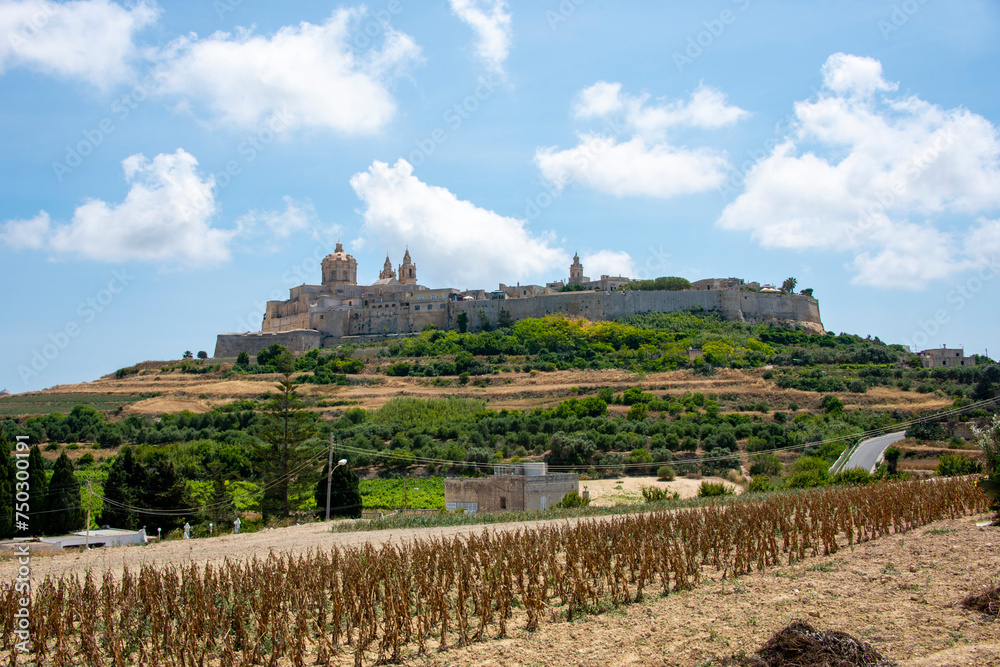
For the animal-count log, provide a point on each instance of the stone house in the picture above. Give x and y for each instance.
(513, 487)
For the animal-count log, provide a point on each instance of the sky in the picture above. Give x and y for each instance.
(167, 168)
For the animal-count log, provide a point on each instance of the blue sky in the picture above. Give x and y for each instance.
(167, 168)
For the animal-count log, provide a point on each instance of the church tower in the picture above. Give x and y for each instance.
(407, 270)
(387, 272)
(339, 268)
(576, 276)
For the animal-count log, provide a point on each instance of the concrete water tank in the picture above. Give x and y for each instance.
(534, 469)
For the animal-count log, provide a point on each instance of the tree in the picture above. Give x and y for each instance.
(63, 506)
(789, 285)
(166, 490)
(37, 487)
(286, 427)
(7, 490)
(202, 354)
(807, 292)
(484, 321)
(188, 355)
(345, 493)
(504, 319)
(463, 322)
(243, 359)
(220, 508)
(892, 459)
(125, 485)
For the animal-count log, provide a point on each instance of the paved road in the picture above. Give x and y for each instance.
(869, 451)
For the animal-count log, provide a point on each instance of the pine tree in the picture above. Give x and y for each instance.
(64, 507)
(38, 488)
(286, 427)
(345, 493)
(165, 490)
(6, 490)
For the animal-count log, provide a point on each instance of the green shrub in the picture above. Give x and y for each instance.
(807, 479)
(571, 500)
(853, 477)
(712, 489)
(666, 473)
(760, 484)
(652, 494)
(952, 465)
(765, 464)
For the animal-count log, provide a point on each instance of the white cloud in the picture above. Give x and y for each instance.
(85, 39)
(609, 263)
(885, 177)
(453, 242)
(165, 217)
(632, 168)
(492, 24)
(647, 163)
(26, 234)
(296, 217)
(305, 75)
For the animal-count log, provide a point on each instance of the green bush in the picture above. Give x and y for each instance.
(666, 473)
(712, 489)
(652, 494)
(571, 500)
(807, 479)
(765, 464)
(853, 477)
(952, 465)
(760, 484)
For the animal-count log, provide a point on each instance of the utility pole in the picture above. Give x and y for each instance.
(405, 480)
(329, 477)
(90, 496)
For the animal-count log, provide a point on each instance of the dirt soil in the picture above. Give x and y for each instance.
(901, 594)
(623, 490)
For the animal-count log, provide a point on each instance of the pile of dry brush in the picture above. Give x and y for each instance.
(377, 604)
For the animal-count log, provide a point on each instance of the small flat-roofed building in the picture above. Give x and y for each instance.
(514, 487)
(944, 357)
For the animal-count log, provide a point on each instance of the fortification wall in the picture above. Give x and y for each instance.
(231, 344)
(770, 306)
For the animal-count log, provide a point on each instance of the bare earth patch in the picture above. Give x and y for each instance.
(610, 492)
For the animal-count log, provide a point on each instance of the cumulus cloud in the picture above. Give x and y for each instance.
(879, 175)
(165, 217)
(491, 22)
(647, 163)
(453, 241)
(26, 234)
(608, 263)
(297, 216)
(92, 40)
(305, 75)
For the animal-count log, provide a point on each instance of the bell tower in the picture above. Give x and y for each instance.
(407, 270)
(387, 271)
(576, 271)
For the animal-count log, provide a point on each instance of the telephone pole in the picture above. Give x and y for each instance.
(329, 477)
(90, 496)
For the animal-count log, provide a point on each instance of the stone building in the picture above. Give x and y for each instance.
(944, 357)
(514, 487)
(709, 284)
(339, 309)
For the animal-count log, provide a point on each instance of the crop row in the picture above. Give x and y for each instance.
(366, 604)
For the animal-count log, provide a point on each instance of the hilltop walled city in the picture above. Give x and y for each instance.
(323, 315)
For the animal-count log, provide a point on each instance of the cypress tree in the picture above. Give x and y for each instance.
(165, 490)
(38, 488)
(64, 507)
(6, 490)
(345, 493)
(126, 484)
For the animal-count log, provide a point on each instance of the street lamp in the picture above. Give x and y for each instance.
(329, 480)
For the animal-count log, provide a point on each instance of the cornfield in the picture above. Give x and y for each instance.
(377, 605)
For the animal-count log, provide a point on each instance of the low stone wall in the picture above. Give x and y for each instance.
(301, 340)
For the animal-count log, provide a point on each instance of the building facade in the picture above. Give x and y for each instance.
(944, 357)
(511, 488)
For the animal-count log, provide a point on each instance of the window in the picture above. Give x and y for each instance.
(503, 503)
(416, 308)
(470, 508)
